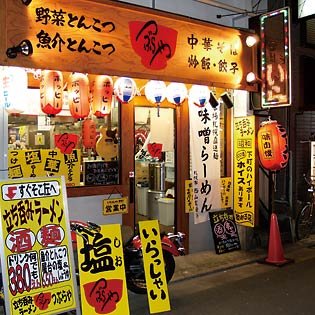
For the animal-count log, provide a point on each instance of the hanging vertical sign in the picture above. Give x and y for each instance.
(189, 196)
(205, 157)
(275, 58)
(226, 192)
(36, 252)
(102, 272)
(154, 267)
(244, 170)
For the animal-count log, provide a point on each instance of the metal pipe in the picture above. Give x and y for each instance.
(227, 7)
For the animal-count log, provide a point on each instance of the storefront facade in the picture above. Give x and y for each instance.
(120, 40)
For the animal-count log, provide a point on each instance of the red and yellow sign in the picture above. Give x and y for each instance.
(36, 252)
(102, 272)
(43, 162)
(115, 38)
(154, 267)
(244, 170)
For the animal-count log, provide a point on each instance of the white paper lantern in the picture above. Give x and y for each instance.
(155, 91)
(176, 93)
(125, 89)
(14, 89)
(199, 95)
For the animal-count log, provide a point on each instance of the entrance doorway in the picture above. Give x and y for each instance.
(155, 166)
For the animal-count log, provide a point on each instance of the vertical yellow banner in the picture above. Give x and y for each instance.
(36, 252)
(189, 196)
(102, 271)
(244, 170)
(154, 267)
(226, 192)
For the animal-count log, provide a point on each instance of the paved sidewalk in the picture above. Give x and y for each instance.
(202, 263)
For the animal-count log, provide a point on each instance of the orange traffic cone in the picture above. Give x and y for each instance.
(275, 249)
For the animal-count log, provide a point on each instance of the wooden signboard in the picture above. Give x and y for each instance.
(224, 231)
(101, 173)
(107, 37)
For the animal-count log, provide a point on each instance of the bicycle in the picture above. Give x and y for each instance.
(305, 218)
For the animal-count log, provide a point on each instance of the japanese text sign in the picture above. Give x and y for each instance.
(244, 170)
(115, 205)
(36, 247)
(117, 38)
(205, 158)
(226, 194)
(154, 266)
(224, 229)
(102, 271)
(189, 196)
(43, 162)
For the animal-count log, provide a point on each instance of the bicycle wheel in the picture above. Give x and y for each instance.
(304, 222)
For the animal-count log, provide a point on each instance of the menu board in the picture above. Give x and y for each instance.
(101, 173)
(224, 229)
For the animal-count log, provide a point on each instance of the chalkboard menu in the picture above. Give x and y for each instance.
(101, 173)
(224, 231)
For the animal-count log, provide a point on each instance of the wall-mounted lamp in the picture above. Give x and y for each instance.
(213, 101)
(226, 100)
(251, 40)
(26, 2)
(252, 78)
(25, 48)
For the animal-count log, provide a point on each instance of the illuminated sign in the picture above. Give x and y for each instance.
(275, 58)
(120, 38)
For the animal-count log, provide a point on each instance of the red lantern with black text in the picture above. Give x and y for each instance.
(272, 145)
(51, 89)
(79, 101)
(102, 92)
(89, 133)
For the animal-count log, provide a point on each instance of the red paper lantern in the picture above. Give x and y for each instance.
(272, 145)
(89, 133)
(102, 92)
(79, 103)
(51, 88)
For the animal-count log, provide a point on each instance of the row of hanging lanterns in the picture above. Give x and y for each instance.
(97, 100)
(272, 137)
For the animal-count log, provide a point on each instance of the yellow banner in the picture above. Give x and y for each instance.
(43, 162)
(36, 251)
(154, 267)
(226, 192)
(189, 196)
(102, 272)
(244, 170)
(115, 205)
